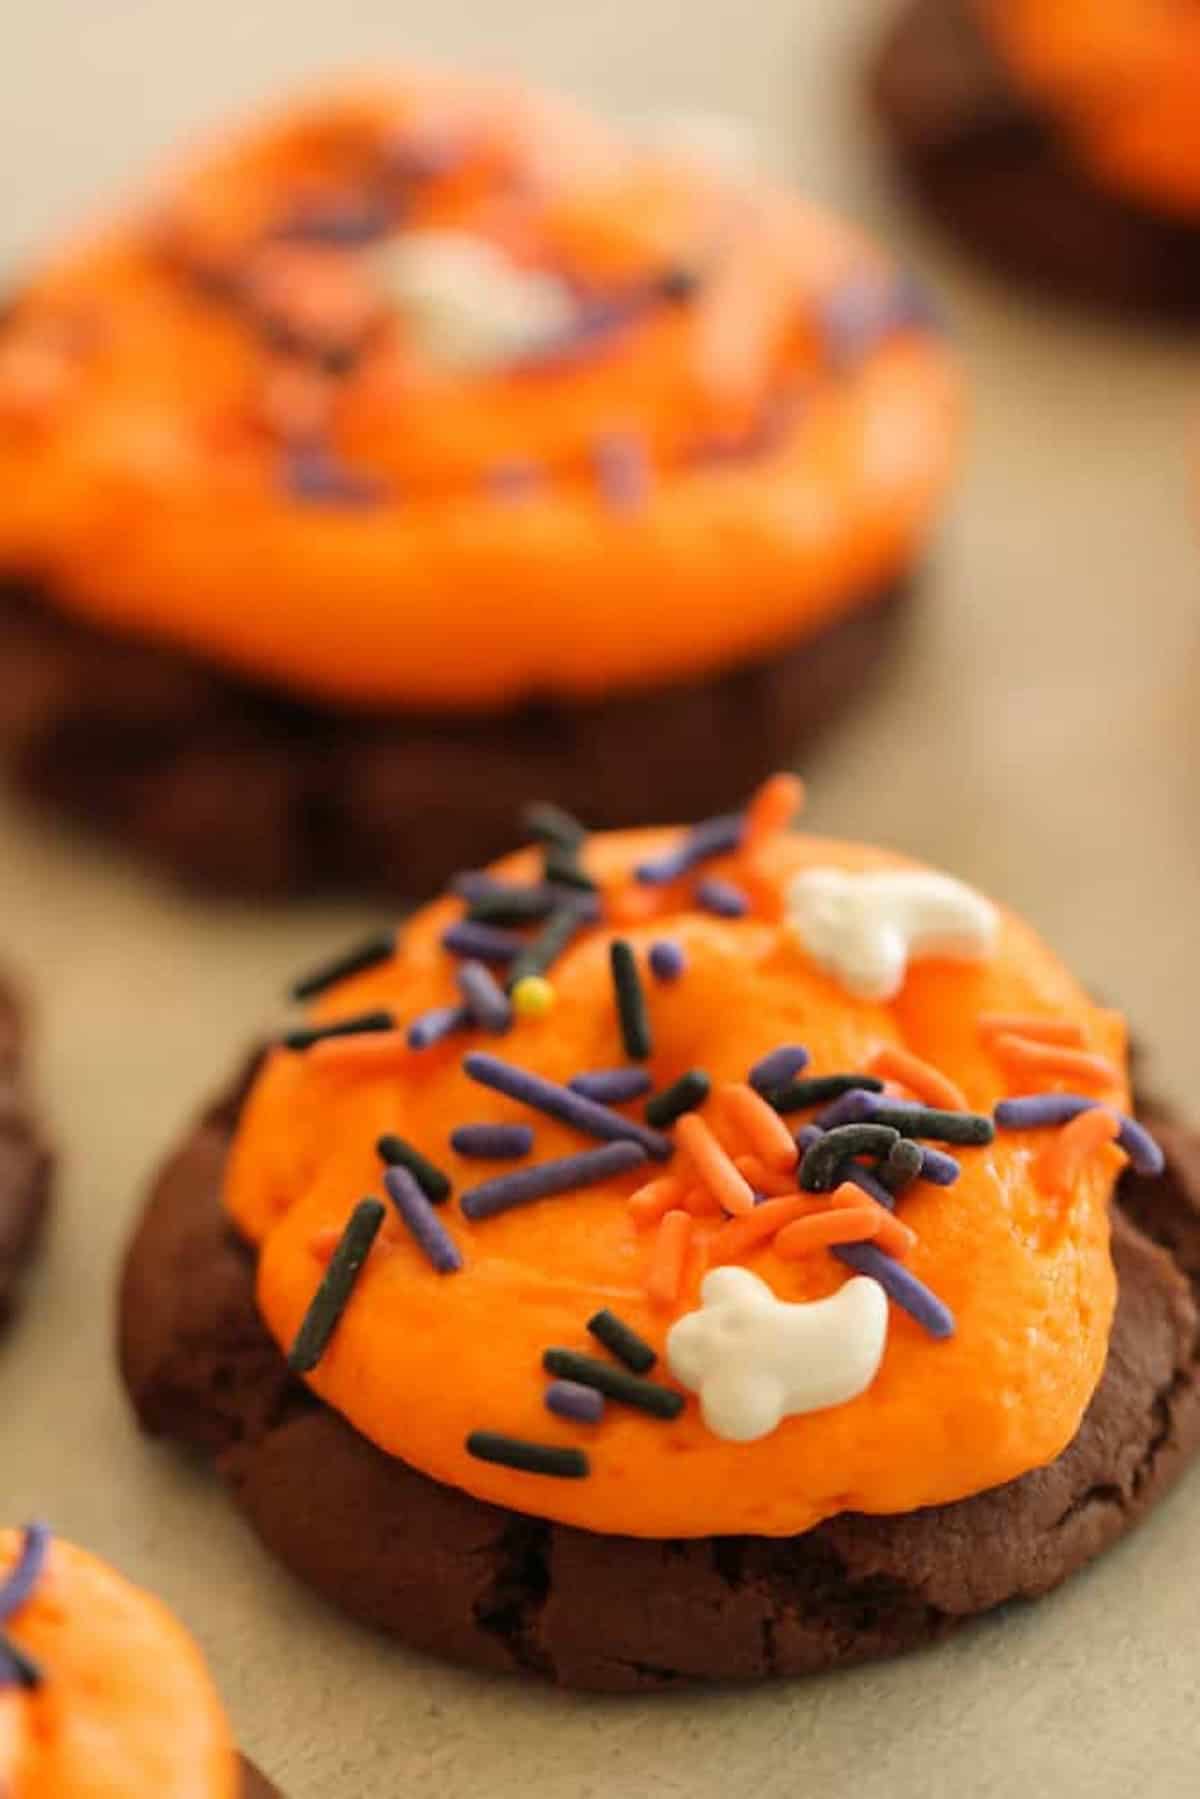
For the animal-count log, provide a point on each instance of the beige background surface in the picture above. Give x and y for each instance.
(1039, 735)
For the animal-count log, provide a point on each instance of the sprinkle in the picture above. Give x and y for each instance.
(423, 1223)
(550, 824)
(533, 996)
(714, 1165)
(368, 954)
(735, 1240)
(904, 1162)
(612, 1086)
(796, 1096)
(868, 1183)
(1035, 1111)
(655, 1199)
(667, 959)
(438, 1023)
(900, 1284)
(680, 284)
(864, 310)
(357, 1023)
(19, 1584)
(359, 1054)
(1037, 1030)
(623, 469)
(945, 1127)
(530, 1458)
(397, 1151)
(664, 1278)
(568, 1399)
(567, 1174)
(848, 1224)
(559, 1102)
(513, 480)
(623, 1341)
(778, 1068)
(311, 473)
(821, 1168)
(721, 898)
(549, 944)
(765, 1130)
(715, 837)
(500, 902)
(346, 222)
(853, 1107)
(767, 1181)
(484, 998)
(614, 1383)
(924, 1082)
(937, 1167)
(631, 1001)
(18, 1669)
(481, 942)
(684, 1095)
(772, 809)
(1053, 1059)
(562, 866)
(492, 1142)
(893, 1237)
(1060, 1165)
(337, 1284)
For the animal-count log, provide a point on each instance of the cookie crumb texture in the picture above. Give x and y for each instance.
(25, 1162)
(1000, 174)
(499, 1590)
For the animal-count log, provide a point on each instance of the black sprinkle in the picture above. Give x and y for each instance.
(550, 824)
(18, 1669)
(944, 1127)
(684, 1095)
(631, 1001)
(680, 284)
(562, 866)
(623, 1340)
(516, 905)
(902, 1164)
(614, 1383)
(433, 1183)
(539, 956)
(530, 1458)
(362, 956)
(820, 1168)
(798, 1095)
(332, 1296)
(359, 1024)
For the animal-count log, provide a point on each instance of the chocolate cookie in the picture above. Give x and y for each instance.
(25, 1161)
(254, 1784)
(226, 784)
(999, 173)
(504, 1591)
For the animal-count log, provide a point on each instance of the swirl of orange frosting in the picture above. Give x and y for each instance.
(124, 1708)
(849, 951)
(1122, 77)
(439, 393)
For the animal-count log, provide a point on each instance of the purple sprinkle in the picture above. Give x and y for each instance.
(481, 942)
(346, 222)
(714, 837)
(807, 1135)
(570, 1400)
(476, 884)
(900, 1285)
(849, 1108)
(667, 959)
(423, 1223)
(1036, 1111)
(310, 473)
(1145, 1155)
(492, 1142)
(567, 1174)
(439, 1022)
(940, 1169)
(513, 480)
(721, 897)
(484, 998)
(623, 469)
(863, 1178)
(778, 1068)
(865, 311)
(559, 1102)
(17, 1589)
(612, 1086)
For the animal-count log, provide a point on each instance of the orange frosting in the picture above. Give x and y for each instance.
(146, 413)
(1122, 77)
(126, 1709)
(419, 1360)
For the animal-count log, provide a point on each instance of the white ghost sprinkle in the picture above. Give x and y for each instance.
(865, 929)
(467, 304)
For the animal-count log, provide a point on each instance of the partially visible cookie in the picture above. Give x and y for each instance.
(25, 1161)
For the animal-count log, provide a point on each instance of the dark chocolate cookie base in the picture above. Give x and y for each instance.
(226, 785)
(254, 1784)
(999, 175)
(25, 1162)
(500, 1590)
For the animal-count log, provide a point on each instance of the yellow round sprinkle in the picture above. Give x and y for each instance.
(532, 997)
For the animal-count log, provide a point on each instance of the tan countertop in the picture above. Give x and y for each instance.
(1040, 735)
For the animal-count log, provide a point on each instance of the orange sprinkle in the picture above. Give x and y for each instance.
(367, 1050)
(894, 1238)
(1058, 1167)
(1024, 1055)
(1037, 1030)
(713, 1164)
(665, 1275)
(700, 1202)
(852, 1224)
(769, 1136)
(323, 1243)
(655, 1199)
(740, 1235)
(772, 809)
(764, 1179)
(922, 1079)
